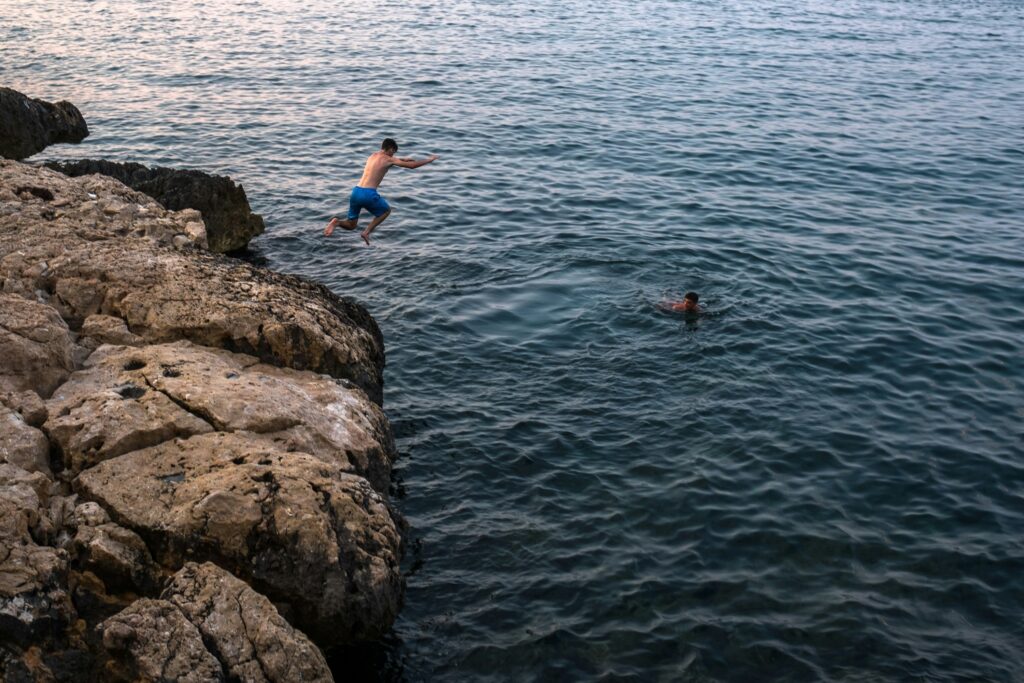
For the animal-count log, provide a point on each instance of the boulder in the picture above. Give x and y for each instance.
(230, 222)
(162, 294)
(152, 641)
(35, 344)
(27, 404)
(21, 444)
(320, 543)
(28, 126)
(250, 638)
(115, 555)
(128, 398)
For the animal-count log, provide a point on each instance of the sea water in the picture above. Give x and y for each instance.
(822, 478)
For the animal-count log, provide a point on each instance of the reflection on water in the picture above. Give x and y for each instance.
(820, 478)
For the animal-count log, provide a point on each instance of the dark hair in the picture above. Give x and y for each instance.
(691, 296)
(389, 144)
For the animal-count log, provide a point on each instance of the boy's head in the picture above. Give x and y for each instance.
(691, 297)
(389, 146)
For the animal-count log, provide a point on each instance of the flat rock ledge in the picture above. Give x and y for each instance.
(194, 463)
(230, 222)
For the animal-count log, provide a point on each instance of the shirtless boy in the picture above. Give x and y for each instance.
(364, 195)
(688, 305)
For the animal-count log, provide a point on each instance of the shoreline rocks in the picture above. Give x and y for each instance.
(194, 464)
(230, 222)
(28, 125)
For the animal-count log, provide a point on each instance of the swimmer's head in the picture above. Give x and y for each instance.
(389, 146)
(692, 297)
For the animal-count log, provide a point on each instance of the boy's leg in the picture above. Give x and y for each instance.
(347, 223)
(365, 234)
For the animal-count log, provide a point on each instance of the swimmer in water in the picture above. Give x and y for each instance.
(365, 196)
(687, 305)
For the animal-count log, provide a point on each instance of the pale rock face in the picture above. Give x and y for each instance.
(70, 253)
(252, 641)
(318, 541)
(129, 398)
(151, 640)
(21, 444)
(204, 410)
(35, 345)
(106, 329)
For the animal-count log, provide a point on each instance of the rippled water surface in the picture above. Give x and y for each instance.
(820, 479)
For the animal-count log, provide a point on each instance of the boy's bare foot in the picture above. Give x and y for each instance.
(330, 227)
(366, 238)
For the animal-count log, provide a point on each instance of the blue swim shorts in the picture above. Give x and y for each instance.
(365, 198)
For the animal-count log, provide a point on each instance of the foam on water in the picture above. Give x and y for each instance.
(820, 479)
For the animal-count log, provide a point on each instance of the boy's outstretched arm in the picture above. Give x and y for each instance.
(411, 163)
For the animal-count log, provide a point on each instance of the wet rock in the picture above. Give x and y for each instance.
(35, 344)
(21, 444)
(77, 266)
(28, 125)
(251, 639)
(152, 640)
(230, 222)
(320, 543)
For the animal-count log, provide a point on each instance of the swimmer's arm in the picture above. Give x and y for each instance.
(412, 163)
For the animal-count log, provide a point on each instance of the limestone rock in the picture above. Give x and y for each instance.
(21, 444)
(230, 222)
(106, 329)
(84, 266)
(35, 345)
(252, 641)
(105, 412)
(45, 205)
(182, 389)
(28, 126)
(117, 556)
(152, 640)
(27, 404)
(322, 544)
(35, 608)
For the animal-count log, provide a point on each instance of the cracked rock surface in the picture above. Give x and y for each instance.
(162, 406)
(128, 398)
(311, 537)
(67, 257)
(151, 640)
(35, 345)
(252, 641)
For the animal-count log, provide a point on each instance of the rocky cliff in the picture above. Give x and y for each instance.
(193, 459)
